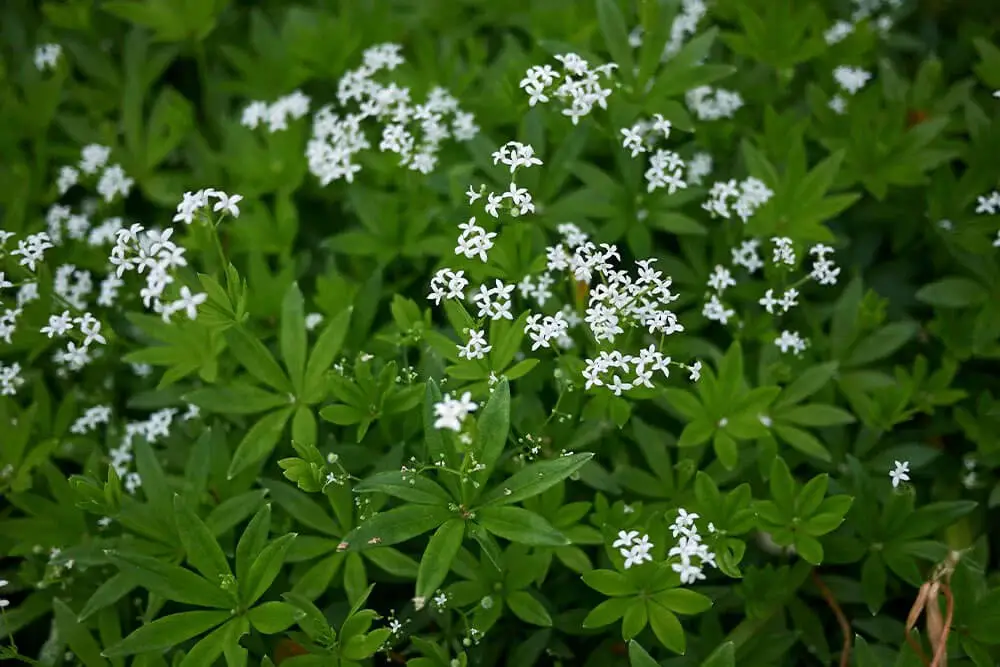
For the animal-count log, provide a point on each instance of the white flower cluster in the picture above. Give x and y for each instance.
(709, 103)
(634, 549)
(10, 379)
(276, 114)
(494, 302)
(622, 372)
(91, 419)
(152, 430)
(698, 167)
(193, 202)
(990, 205)
(447, 284)
(791, 341)
(824, 271)
(838, 32)
(851, 79)
(745, 197)
(113, 181)
(579, 90)
(336, 139)
(685, 24)
(152, 251)
(544, 329)
(665, 167)
(689, 548)
(451, 412)
(47, 56)
(747, 255)
(476, 348)
(714, 310)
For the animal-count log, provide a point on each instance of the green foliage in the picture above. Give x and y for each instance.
(681, 352)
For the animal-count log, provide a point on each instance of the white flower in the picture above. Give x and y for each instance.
(188, 302)
(46, 56)
(899, 473)
(450, 412)
(851, 79)
(227, 204)
(790, 340)
(625, 539)
(476, 348)
(58, 325)
(721, 279)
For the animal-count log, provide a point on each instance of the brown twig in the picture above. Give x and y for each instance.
(845, 625)
(940, 655)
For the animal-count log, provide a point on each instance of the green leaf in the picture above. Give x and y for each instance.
(881, 343)
(873, 579)
(438, 557)
(723, 656)
(304, 509)
(172, 582)
(411, 487)
(953, 293)
(292, 336)
(782, 486)
(612, 24)
(809, 548)
(639, 657)
(984, 623)
(493, 427)
(521, 526)
(609, 582)
(666, 627)
(803, 441)
(236, 398)
(167, 632)
(264, 569)
(817, 414)
(396, 525)
(259, 441)
(80, 641)
(535, 478)
(272, 617)
(208, 648)
(110, 591)
(203, 552)
(326, 349)
(683, 601)
(256, 359)
(607, 612)
(527, 608)
(635, 619)
(929, 518)
(252, 541)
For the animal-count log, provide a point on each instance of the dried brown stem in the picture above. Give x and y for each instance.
(845, 625)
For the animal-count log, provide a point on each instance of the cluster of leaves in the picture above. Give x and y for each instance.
(314, 514)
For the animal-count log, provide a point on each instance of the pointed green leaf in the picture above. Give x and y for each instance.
(85, 648)
(256, 358)
(264, 569)
(259, 441)
(411, 487)
(167, 632)
(520, 525)
(535, 478)
(438, 557)
(292, 337)
(396, 525)
(203, 552)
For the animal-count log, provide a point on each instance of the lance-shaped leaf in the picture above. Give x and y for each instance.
(535, 478)
(409, 487)
(166, 632)
(396, 525)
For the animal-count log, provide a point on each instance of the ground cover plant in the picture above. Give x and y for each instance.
(453, 333)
